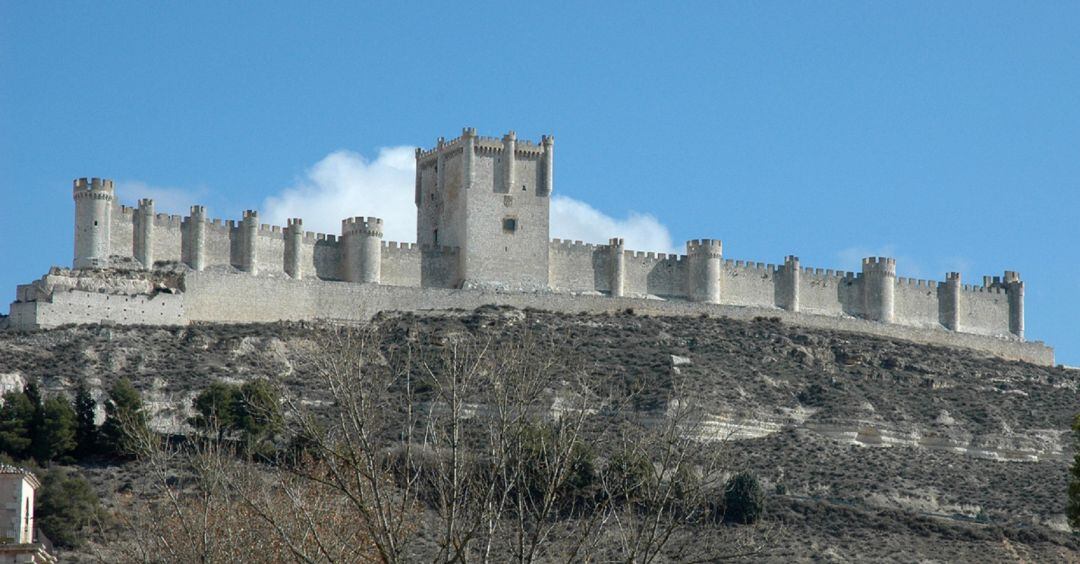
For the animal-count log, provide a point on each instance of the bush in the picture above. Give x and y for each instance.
(66, 505)
(744, 499)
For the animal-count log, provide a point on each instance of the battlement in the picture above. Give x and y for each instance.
(93, 188)
(916, 283)
(952, 277)
(824, 273)
(199, 211)
(372, 226)
(614, 242)
(568, 246)
(708, 248)
(398, 246)
(881, 265)
(251, 216)
(146, 203)
(485, 145)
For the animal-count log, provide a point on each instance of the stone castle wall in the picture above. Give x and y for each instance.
(482, 222)
(581, 268)
(230, 297)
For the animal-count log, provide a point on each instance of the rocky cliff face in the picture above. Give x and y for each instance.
(872, 448)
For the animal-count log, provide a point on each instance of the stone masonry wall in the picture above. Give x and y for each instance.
(221, 297)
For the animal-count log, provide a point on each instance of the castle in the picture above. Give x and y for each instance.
(482, 238)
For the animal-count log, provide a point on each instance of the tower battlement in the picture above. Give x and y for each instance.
(879, 264)
(362, 225)
(706, 247)
(95, 188)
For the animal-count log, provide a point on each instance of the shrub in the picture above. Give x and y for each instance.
(744, 499)
(66, 505)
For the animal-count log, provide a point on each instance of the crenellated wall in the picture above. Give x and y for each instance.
(583, 268)
(482, 223)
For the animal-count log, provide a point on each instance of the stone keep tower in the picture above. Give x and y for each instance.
(490, 198)
(93, 221)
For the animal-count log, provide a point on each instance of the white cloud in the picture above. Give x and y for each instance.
(166, 199)
(576, 220)
(345, 184)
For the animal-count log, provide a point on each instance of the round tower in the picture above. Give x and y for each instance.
(363, 249)
(249, 238)
(791, 283)
(879, 288)
(294, 236)
(617, 248)
(196, 238)
(1014, 288)
(950, 301)
(144, 233)
(704, 263)
(93, 221)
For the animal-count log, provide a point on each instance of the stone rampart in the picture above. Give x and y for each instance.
(221, 297)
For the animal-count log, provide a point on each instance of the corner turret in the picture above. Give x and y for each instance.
(547, 183)
(93, 221)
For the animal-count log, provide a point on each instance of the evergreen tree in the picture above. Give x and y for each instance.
(744, 499)
(86, 432)
(55, 434)
(124, 418)
(32, 389)
(256, 411)
(16, 420)
(215, 408)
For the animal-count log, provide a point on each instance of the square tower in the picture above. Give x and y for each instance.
(490, 198)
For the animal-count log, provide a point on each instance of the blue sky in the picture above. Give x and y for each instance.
(944, 134)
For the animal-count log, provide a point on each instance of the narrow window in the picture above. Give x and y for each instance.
(523, 188)
(509, 224)
(435, 237)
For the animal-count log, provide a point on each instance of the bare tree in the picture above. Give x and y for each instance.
(493, 444)
(208, 504)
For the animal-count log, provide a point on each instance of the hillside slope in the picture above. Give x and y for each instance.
(870, 448)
